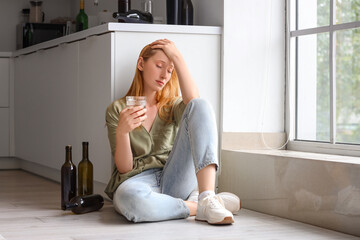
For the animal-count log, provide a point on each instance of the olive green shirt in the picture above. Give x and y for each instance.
(149, 149)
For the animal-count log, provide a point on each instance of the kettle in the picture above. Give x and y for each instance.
(36, 14)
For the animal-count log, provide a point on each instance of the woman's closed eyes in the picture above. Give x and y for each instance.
(160, 67)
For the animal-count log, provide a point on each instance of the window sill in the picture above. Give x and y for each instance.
(302, 155)
(325, 148)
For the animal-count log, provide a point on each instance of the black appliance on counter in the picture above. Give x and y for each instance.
(134, 16)
(29, 34)
(126, 15)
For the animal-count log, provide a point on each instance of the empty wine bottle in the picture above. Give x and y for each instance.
(68, 179)
(85, 204)
(85, 173)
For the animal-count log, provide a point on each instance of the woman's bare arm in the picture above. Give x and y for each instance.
(188, 86)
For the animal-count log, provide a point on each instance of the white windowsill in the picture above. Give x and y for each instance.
(303, 155)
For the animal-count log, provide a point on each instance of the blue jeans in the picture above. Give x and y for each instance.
(159, 194)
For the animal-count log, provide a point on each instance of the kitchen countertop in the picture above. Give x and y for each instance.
(5, 54)
(119, 27)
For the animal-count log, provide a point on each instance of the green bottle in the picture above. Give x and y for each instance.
(68, 179)
(81, 18)
(85, 204)
(85, 173)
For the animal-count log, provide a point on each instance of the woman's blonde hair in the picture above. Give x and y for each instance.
(166, 96)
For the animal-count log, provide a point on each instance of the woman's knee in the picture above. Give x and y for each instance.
(201, 106)
(200, 103)
(133, 201)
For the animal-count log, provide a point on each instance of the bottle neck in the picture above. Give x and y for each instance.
(85, 151)
(68, 155)
(81, 5)
(71, 205)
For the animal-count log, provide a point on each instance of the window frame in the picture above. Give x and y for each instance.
(331, 147)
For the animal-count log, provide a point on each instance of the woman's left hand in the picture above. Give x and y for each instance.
(168, 47)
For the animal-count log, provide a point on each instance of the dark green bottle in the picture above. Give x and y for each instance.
(28, 37)
(85, 204)
(85, 174)
(81, 18)
(68, 179)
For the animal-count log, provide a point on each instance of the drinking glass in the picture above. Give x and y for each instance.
(132, 101)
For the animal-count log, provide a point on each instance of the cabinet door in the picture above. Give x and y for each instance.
(4, 132)
(95, 94)
(46, 104)
(4, 82)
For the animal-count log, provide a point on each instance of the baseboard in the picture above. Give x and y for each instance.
(9, 163)
(43, 171)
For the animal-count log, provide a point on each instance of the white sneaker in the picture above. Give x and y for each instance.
(211, 209)
(231, 201)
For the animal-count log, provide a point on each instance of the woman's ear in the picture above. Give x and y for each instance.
(140, 64)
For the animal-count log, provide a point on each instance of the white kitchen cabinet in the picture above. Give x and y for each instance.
(4, 107)
(62, 92)
(4, 82)
(61, 97)
(94, 95)
(4, 132)
(46, 104)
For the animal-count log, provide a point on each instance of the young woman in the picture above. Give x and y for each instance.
(164, 152)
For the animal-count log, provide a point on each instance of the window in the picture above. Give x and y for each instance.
(324, 75)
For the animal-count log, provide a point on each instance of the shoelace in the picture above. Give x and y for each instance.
(214, 201)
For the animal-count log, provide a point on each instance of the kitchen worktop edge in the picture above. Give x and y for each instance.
(5, 54)
(119, 27)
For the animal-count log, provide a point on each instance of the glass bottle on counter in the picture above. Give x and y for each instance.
(147, 5)
(187, 13)
(85, 204)
(81, 18)
(68, 179)
(28, 35)
(173, 11)
(85, 174)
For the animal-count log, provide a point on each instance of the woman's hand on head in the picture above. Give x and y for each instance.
(130, 118)
(168, 47)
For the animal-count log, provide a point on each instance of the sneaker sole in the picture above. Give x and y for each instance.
(226, 221)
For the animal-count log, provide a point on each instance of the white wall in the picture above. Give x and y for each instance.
(254, 66)
(209, 12)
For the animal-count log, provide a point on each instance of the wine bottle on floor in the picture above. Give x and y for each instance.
(85, 204)
(68, 179)
(85, 173)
